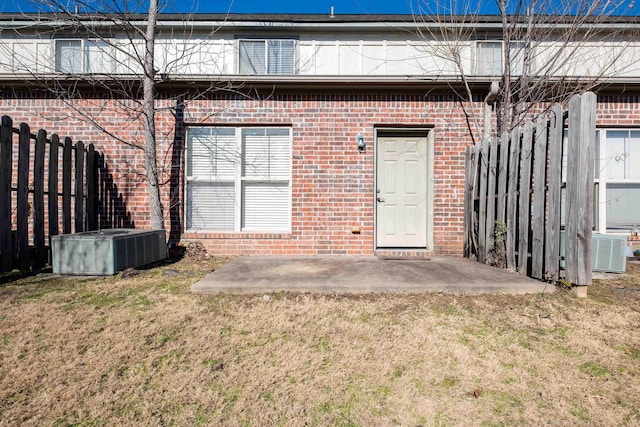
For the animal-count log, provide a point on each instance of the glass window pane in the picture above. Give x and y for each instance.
(489, 58)
(633, 159)
(616, 154)
(69, 56)
(281, 56)
(265, 206)
(211, 206)
(252, 57)
(266, 153)
(623, 206)
(212, 153)
(99, 57)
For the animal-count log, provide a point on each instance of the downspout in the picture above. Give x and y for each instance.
(488, 108)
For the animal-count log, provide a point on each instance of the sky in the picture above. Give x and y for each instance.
(263, 6)
(630, 7)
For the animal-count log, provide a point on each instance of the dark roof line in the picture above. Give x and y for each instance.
(312, 18)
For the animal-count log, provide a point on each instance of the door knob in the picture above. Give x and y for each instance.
(380, 199)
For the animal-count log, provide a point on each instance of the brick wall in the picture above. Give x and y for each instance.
(332, 182)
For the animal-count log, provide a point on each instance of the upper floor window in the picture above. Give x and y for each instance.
(75, 56)
(270, 56)
(489, 58)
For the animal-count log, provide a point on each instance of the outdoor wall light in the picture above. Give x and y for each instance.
(360, 141)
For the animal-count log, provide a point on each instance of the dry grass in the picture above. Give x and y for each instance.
(145, 351)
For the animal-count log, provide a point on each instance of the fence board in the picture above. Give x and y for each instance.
(491, 196)
(502, 178)
(468, 200)
(539, 181)
(6, 156)
(587, 132)
(38, 201)
(552, 235)
(22, 209)
(512, 198)
(524, 206)
(519, 181)
(52, 187)
(79, 188)
(92, 189)
(66, 186)
(482, 215)
(28, 205)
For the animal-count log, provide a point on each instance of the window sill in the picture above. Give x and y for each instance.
(243, 235)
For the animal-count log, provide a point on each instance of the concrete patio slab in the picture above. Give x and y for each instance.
(260, 274)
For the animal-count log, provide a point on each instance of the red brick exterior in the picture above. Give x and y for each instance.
(332, 182)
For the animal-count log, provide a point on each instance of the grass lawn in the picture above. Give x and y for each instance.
(145, 351)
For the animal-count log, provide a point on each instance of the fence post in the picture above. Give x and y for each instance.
(79, 187)
(38, 201)
(580, 191)
(6, 156)
(24, 143)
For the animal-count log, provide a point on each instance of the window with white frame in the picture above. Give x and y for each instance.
(616, 180)
(76, 56)
(238, 179)
(489, 58)
(266, 56)
(619, 170)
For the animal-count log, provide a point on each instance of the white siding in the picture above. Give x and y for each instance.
(324, 54)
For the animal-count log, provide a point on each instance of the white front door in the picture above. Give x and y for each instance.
(401, 191)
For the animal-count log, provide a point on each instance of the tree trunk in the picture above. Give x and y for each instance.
(150, 155)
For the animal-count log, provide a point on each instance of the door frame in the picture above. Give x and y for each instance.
(420, 132)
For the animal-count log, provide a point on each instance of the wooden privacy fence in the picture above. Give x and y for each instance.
(79, 191)
(514, 195)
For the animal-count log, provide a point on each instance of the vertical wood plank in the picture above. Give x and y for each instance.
(524, 207)
(512, 198)
(503, 169)
(6, 166)
(539, 197)
(585, 175)
(79, 188)
(92, 189)
(24, 148)
(475, 201)
(552, 245)
(571, 211)
(482, 216)
(66, 186)
(38, 201)
(491, 196)
(467, 201)
(52, 187)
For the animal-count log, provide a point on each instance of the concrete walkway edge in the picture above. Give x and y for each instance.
(351, 274)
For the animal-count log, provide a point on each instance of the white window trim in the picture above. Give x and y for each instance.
(238, 185)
